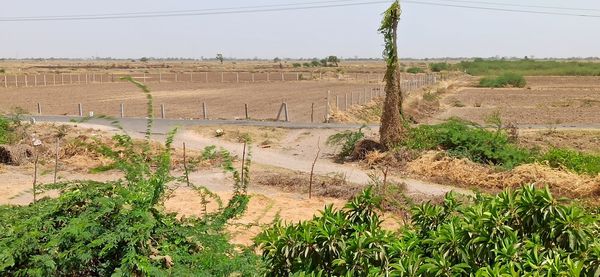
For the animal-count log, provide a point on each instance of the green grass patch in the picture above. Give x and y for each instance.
(439, 67)
(582, 163)
(482, 67)
(415, 70)
(504, 80)
(478, 144)
(4, 130)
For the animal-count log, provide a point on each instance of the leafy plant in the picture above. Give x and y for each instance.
(577, 161)
(120, 228)
(504, 80)
(525, 232)
(415, 70)
(439, 67)
(347, 140)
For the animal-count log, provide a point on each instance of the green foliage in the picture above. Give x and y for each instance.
(439, 67)
(347, 140)
(333, 60)
(415, 70)
(388, 27)
(5, 130)
(464, 139)
(516, 233)
(306, 65)
(504, 80)
(577, 161)
(529, 67)
(296, 65)
(315, 63)
(120, 228)
(2, 70)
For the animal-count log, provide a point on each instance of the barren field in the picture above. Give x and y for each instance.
(550, 101)
(184, 100)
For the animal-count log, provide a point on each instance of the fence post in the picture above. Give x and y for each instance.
(268, 77)
(80, 109)
(122, 110)
(162, 111)
(16, 81)
(35, 80)
(191, 77)
(204, 111)
(282, 77)
(312, 112)
(237, 77)
(45, 84)
(176, 77)
(78, 78)
(252, 77)
(26, 77)
(327, 108)
(54, 79)
(285, 107)
(346, 102)
(93, 77)
(39, 106)
(159, 77)
(5, 82)
(222, 79)
(206, 77)
(337, 102)
(246, 111)
(297, 76)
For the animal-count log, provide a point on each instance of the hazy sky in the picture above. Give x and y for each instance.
(425, 31)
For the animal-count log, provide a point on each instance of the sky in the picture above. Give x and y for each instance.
(424, 31)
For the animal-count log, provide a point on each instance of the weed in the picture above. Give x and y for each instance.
(415, 70)
(578, 162)
(504, 80)
(347, 140)
(439, 67)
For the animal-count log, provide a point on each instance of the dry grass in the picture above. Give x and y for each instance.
(581, 140)
(263, 136)
(335, 186)
(464, 173)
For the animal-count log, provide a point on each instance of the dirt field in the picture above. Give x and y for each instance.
(549, 101)
(184, 100)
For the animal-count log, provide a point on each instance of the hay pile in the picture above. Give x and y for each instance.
(335, 186)
(465, 173)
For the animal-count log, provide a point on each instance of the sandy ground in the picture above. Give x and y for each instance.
(560, 104)
(184, 100)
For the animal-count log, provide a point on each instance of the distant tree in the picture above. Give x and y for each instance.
(324, 62)
(297, 65)
(220, 58)
(315, 63)
(276, 60)
(334, 60)
(144, 59)
(306, 64)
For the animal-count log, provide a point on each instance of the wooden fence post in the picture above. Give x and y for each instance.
(246, 111)
(287, 116)
(80, 109)
(204, 111)
(39, 108)
(162, 111)
(312, 112)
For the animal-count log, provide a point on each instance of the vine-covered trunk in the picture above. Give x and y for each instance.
(391, 130)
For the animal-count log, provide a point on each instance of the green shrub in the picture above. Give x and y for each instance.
(529, 67)
(505, 80)
(573, 160)
(347, 140)
(306, 65)
(415, 70)
(4, 130)
(516, 233)
(438, 67)
(296, 65)
(2, 70)
(315, 63)
(468, 140)
(121, 228)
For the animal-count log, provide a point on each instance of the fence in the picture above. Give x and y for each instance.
(296, 109)
(61, 79)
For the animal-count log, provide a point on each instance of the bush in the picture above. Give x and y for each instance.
(2, 70)
(315, 63)
(579, 162)
(5, 130)
(468, 140)
(121, 228)
(516, 233)
(438, 67)
(505, 80)
(306, 65)
(415, 70)
(297, 65)
(529, 67)
(347, 140)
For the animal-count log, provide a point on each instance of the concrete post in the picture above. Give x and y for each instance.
(204, 111)
(80, 109)
(162, 111)
(122, 110)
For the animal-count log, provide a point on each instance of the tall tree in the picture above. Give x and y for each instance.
(334, 60)
(220, 58)
(392, 123)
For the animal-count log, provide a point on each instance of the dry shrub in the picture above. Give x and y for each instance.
(335, 186)
(465, 173)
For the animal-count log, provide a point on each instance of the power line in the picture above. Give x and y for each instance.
(276, 8)
(499, 9)
(183, 13)
(520, 5)
(180, 11)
